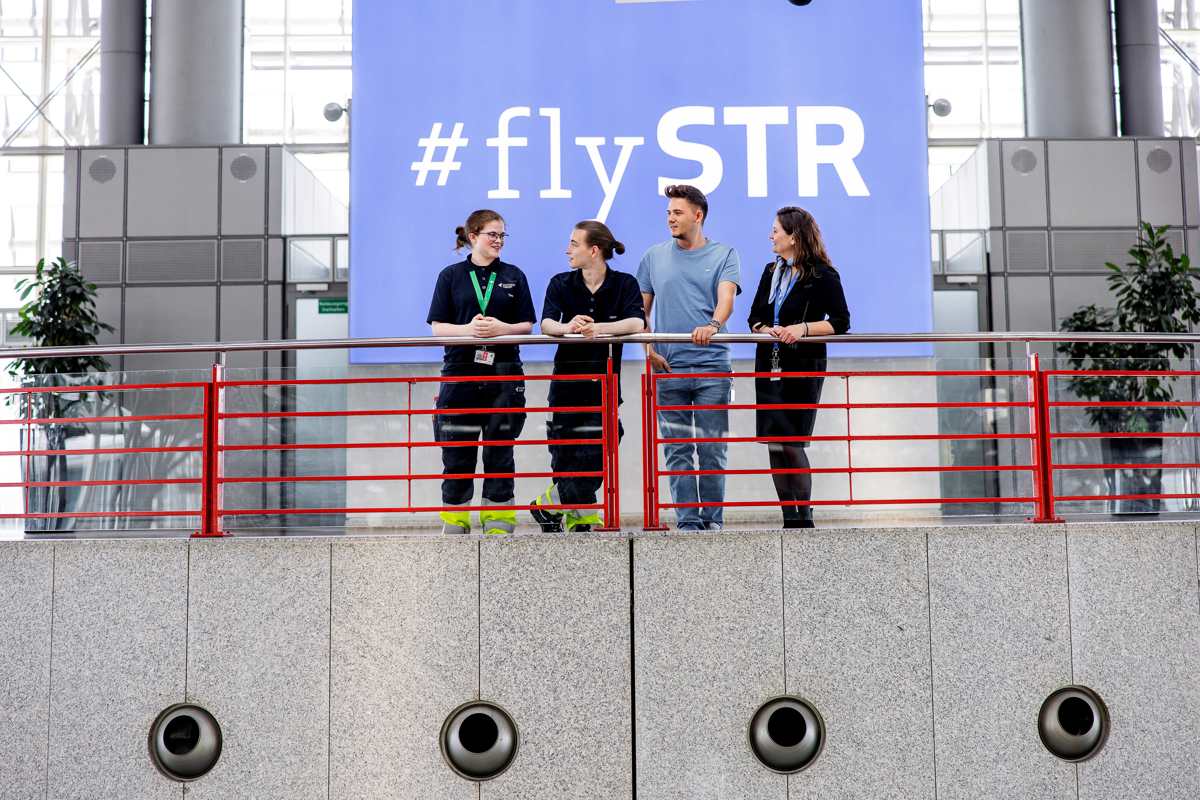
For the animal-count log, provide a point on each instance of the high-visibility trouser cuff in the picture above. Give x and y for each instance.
(460, 518)
(498, 521)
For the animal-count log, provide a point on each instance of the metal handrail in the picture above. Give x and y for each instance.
(639, 338)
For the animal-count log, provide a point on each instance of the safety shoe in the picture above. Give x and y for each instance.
(551, 521)
(580, 523)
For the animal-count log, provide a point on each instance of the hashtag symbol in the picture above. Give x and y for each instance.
(432, 144)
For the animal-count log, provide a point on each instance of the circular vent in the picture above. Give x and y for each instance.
(1024, 161)
(1073, 723)
(243, 168)
(1159, 160)
(185, 742)
(787, 734)
(102, 170)
(479, 741)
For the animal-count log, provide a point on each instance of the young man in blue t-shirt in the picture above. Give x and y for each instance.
(689, 283)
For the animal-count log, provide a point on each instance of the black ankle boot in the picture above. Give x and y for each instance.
(805, 517)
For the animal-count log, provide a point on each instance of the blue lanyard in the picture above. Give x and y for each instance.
(781, 294)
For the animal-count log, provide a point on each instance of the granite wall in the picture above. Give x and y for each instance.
(630, 665)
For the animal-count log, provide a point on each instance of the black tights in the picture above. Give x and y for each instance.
(793, 485)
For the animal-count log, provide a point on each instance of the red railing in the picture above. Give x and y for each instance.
(208, 427)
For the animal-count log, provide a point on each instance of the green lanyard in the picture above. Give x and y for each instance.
(479, 295)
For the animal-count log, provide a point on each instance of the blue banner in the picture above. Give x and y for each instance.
(554, 111)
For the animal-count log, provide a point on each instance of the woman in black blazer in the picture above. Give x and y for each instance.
(799, 295)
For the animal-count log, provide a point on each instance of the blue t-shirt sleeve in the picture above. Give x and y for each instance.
(731, 270)
(441, 306)
(645, 275)
(552, 307)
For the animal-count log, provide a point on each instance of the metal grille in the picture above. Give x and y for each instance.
(172, 261)
(242, 260)
(100, 261)
(1027, 251)
(1088, 251)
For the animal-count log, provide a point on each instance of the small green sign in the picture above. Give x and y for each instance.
(332, 305)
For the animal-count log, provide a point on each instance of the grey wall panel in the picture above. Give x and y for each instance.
(102, 193)
(275, 324)
(1159, 184)
(120, 634)
(995, 197)
(171, 314)
(1031, 312)
(258, 659)
(999, 303)
(404, 654)
(1136, 640)
(275, 259)
(25, 595)
(708, 641)
(1191, 182)
(1070, 293)
(275, 191)
(242, 313)
(70, 215)
(173, 191)
(108, 309)
(857, 632)
(243, 191)
(555, 653)
(1092, 183)
(1024, 164)
(1001, 643)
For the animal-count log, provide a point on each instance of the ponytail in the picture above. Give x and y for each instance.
(597, 234)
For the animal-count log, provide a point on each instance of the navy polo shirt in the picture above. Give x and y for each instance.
(454, 301)
(568, 296)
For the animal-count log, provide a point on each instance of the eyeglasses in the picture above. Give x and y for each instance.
(495, 237)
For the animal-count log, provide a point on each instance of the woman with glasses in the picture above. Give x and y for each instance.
(799, 295)
(483, 297)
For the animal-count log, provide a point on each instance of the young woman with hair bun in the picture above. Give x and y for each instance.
(483, 297)
(591, 300)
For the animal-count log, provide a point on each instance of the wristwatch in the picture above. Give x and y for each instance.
(715, 324)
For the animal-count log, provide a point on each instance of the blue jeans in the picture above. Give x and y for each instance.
(695, 424)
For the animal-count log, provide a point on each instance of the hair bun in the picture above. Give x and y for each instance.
(618, 248)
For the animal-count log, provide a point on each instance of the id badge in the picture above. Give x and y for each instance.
(485, 357)
(776, 368)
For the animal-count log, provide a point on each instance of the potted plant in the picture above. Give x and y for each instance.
(59, 310)
(1155, 293)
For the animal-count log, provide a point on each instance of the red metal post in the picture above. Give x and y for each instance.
(614, 406)
(210, 485)
(1043, 451)
(28, 476)
(608, 422)
(849, 441)
(650, 437)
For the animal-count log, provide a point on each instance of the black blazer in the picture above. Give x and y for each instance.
(816, 297)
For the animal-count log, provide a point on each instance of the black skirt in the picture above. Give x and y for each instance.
(806, 390)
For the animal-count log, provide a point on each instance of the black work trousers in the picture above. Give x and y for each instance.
(577, 457)
(501, 425)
